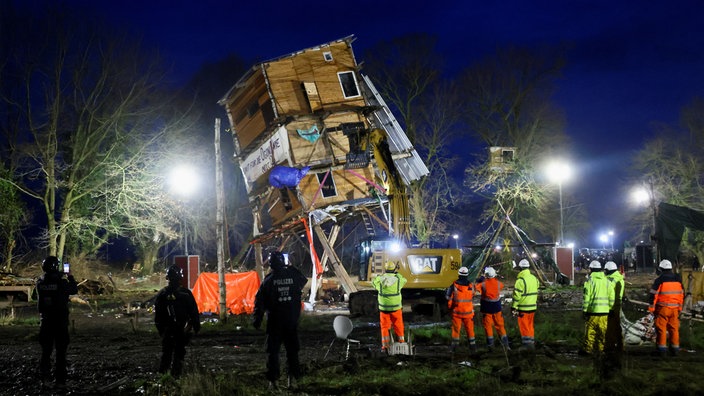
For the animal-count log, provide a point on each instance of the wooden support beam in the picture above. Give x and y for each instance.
(337, 266)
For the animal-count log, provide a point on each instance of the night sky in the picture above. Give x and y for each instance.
(631, 63)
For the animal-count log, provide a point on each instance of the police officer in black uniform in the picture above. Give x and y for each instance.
(176, 315)
(280, 297)
(53, 290)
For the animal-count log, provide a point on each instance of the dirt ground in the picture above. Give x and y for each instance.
(115, 353)
(111, 351)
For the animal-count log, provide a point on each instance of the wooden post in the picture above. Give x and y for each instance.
(219, 223)
(258, 252)
(337, 266)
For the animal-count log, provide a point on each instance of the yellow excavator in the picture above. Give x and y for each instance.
(428, 271)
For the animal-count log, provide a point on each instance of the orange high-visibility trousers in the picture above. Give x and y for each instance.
(667, 325)
(491, 321)
(457, 323)
(387, 320)
(525, 325)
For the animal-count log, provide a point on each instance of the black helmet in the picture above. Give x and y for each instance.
(50, 264)
(174, 273)
(277, 260)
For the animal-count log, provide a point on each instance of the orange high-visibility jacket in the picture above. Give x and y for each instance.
(669, 294)
(490, 289)
(460, 302)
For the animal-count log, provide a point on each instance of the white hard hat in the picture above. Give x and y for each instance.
(595, 264)
(464, 271)
(610, 266)
(490, 272)
(524, 263)
(666, 264)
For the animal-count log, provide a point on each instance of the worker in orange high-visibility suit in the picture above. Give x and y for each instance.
(666, 300)
(459, 301)
(388, 287)
(490, 307)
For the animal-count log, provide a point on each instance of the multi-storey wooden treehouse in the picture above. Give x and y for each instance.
(305, 126)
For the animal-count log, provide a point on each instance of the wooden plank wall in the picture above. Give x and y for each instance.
(332, 146)
(277, 209)
(306, 91)
(286, 78)
(348, 185)
(249, 127)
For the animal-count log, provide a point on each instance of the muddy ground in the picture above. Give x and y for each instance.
(112, 352)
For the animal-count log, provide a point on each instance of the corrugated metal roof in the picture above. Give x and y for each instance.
(406, 158)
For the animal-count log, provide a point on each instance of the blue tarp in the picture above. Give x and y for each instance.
(284, 176)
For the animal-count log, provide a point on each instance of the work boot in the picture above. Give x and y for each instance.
(504, 342)
(453, 347)
(472, 349)
(490, 343)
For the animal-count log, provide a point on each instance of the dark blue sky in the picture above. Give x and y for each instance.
(631, 63)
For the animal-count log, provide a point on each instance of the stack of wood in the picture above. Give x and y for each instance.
(10, 279)
(13, 286)
(102, 285)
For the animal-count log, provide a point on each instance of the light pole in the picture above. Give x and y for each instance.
(645, 196)
(183, 181)
(558, 172)
(456, 238)
(611, 239)
(603, 238)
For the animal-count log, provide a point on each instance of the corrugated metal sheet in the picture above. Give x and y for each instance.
(406, 158)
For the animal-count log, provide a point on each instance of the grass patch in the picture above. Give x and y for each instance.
(439, 334)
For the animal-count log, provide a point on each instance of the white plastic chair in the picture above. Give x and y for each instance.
(343, 327)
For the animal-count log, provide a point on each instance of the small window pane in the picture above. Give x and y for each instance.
(328, 188)
(348, 82)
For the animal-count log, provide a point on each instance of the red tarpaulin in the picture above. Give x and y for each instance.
(241, 289)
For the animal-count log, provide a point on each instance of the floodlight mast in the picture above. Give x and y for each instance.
(560, 171)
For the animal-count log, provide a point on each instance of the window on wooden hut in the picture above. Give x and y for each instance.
(253, 108)
(327, 184)
(348, 82)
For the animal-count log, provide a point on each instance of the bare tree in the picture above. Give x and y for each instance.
(12, 215)
(207, 86)
(507, 104)
(93, 119)
(674, 163)
(407, 72)
(432, 197)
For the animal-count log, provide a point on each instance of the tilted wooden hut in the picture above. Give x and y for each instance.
(304, 112)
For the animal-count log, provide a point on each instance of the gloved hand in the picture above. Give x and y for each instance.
(257, 323)
(514, 312)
